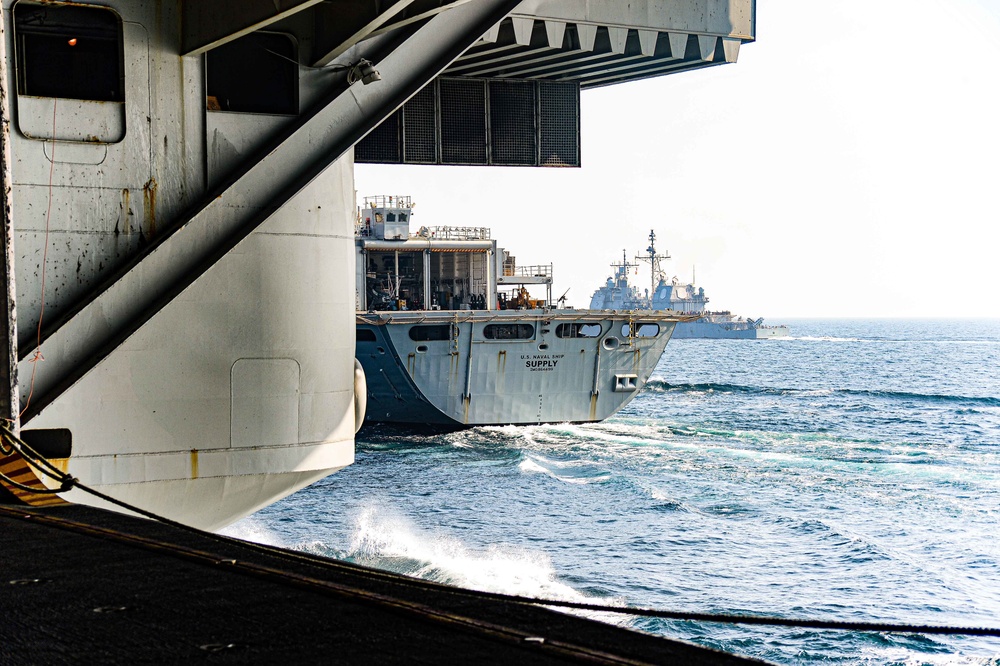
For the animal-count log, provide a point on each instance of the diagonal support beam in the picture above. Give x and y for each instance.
(380, 25)
(363, 32)
(196, 243)
(416, 18)
(211, 23)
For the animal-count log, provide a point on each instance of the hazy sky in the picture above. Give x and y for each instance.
(847, 165)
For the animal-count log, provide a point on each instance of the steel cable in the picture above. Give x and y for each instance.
(67, 482)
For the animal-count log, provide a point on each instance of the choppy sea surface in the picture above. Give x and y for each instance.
(850, 472)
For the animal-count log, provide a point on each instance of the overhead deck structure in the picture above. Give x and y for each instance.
(179, 208)
(598, 44)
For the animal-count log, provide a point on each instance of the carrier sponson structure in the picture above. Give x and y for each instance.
(179, 251)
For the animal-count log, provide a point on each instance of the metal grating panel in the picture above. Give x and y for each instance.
(420, 136)
(382, 145)
(513, 135)
(463, 121)
(497, 122)
(559, 116)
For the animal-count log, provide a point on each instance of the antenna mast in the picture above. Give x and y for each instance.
(654, 264)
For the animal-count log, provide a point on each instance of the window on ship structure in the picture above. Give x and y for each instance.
(69, 52)
(258, 73)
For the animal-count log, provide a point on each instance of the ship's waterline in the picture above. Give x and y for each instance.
(619, 292)
(449, 335)
(851, 473)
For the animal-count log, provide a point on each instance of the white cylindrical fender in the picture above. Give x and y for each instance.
(360, 395)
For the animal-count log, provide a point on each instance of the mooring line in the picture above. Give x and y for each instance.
(67, 482)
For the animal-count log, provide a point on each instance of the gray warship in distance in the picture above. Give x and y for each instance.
(449, 336)
(179, 207)
(619, 294)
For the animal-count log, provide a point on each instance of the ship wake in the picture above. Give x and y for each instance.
(388, 541)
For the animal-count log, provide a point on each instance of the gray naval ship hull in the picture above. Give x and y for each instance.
(708, 328)
(618, 293)
(569, 366)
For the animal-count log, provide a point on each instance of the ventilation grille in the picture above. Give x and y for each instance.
(420, 135)
(463, 121)
(489, 122)
(559, 120)
(382, 145)
(513, 130)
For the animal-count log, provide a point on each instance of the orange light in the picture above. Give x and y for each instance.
(72, 42)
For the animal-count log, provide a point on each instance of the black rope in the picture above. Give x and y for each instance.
(359, 594)
(8, 447)
(66, 482)
(38, 491)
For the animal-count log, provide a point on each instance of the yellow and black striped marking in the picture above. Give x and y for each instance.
(13, 467)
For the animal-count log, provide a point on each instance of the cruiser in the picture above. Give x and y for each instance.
(178, 209)
(449, 335)
(619, 294)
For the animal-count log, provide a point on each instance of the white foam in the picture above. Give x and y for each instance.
(660, 495)
(825, 338)
(532, 465)
(254, 530)
(382, 536)
(528, 465)
(906, 657)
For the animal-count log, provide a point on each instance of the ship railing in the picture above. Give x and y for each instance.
(388, 201)
(381, 317)
(541, 271)
(367, 230)
(456, 233)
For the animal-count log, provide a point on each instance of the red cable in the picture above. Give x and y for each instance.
(45, 256)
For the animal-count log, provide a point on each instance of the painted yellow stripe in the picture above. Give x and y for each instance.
(17, 469)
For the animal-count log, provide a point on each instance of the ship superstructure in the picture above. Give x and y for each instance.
(620, 293)
(179, 208)
(449, 334)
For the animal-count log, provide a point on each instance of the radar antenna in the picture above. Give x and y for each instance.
(620, 271)
(655, 270)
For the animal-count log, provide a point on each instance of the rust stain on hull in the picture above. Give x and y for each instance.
(126, 210)
(149, 204)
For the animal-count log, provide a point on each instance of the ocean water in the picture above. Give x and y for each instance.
(851, 472)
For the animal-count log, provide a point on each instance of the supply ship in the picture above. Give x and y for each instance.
(619, 293)
(449, 335)
(178, 212)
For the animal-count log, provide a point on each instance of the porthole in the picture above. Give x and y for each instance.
(508, 331)
(69, 51)
(429, 332)
(578, 330)
(641, 330)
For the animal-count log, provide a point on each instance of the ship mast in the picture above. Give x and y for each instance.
(620, 271)
(654, 263)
